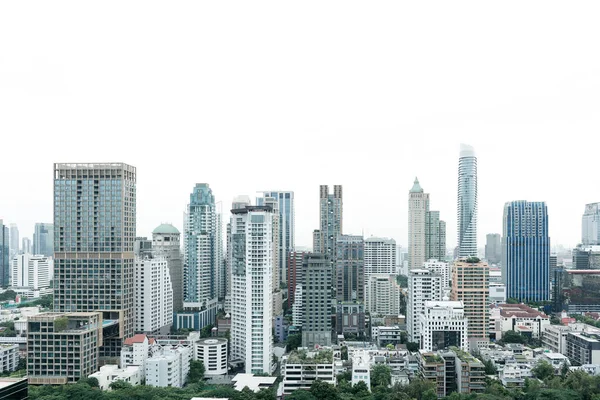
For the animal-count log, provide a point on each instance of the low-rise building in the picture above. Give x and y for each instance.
(111, 373)
(517, 317)
(584, 347)
(384, 335)
(213, 354)
(451, 371)
(361, 369)
(555, 338)
(14, 388)
(512, 376)
(497, 292)
(9, 357)
(169, 367)
(443, 324)
(556, 360)
(302, 367)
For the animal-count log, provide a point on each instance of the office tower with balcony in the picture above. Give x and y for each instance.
(467, 202)
(526, 251)
(470, 284)
(493, 248)
(590, 225)
(95, 223)
(4, 255)
(317, 274)
(350, 279)
(43, 239)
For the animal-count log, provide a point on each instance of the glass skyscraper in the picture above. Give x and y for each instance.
(526, 251)
(467, 202)
(94, 234)
(43, 239)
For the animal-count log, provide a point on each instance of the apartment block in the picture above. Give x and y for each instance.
(302, 367)
(470, 285)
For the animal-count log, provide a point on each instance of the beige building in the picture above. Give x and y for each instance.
(382, 295)
(470, 284)
(418, 205)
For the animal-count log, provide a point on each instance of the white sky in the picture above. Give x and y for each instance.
(251, 96)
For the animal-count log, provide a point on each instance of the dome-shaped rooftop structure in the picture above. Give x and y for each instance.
(165, 229)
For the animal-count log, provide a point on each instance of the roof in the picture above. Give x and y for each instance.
(254, 383)
(139, 338)
(519, 311)
(416, 187)
(165, 228)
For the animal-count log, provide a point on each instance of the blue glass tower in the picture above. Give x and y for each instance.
(526, 251)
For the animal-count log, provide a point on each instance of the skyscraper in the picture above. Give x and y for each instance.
(418, 206)
(380, 256)
(423, 285)
(470, 284)
(31, 275)
(166, 243)
(287, 221)
(493, 248)
(526, 251)
(467, 202)
(295, 260)
(239, 202)
(435, 236)
(14, 240)
(590, 225)
(317, 275)
(350, 278)
(276, 225)
(252, 294)
(153, 300)
(26, 246)
(4, 255)
(43, 239)
(95, 222)
(331, 213)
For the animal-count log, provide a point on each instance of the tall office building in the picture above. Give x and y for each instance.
(526, 251)
(287, 227)
(493, 248)
(4, 255)
(380, 256)
(166, 243)
(26, 247)
(590, 225)
(467, 202)
(316, 329)
(423, 285)
(43, 239)
(350, 278)
(95, 222)
(470, 284)
(331, 218)
(252, 293)
(435, 236)
(14, 240)
(418, 206)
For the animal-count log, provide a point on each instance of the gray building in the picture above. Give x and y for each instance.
(166, 243)
(435, 236)
(26, 247)
(350, 283)
(43, 239)
(4, 255)
(142, 247)
(14, 240)
(95, 223)
(467, 202)
(590, 225)
(331, 218)
(317, 301)
(584, 347)
(493, 248)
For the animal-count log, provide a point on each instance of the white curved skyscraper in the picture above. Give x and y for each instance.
(467, 202)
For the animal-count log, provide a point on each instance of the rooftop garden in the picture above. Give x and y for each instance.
(463, 355)
(313, 357)
(432, 358)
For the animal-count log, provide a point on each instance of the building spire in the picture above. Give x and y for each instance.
(416, 187)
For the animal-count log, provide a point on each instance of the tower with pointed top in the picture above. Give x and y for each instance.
(418, 206)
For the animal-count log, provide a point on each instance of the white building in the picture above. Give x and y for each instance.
(517, 317)
(298, 306)
(31, 275)
(423, 285)
(213, 353)
(153, 295)
(254, 383)
(441, 268)
(136, 350)
(361, 369)
(9, 357)
(169, 367)
(380, 256)
(111, 373)
(301, 368)
(382, 295)
(384, 335)
(443, 324)
(497, 293)
(252, 294)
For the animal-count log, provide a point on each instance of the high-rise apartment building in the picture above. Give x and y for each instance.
(239, 202)
(26, 246)
(467, 202)
(439, 267)
(331, 213)
(95, 222)
(423, 285)
(287, 227)
(493, 248)
(526, 248)
(43, 239)
(221, 261)
(382, 295)
(295, 277)
(470, 284)
(252, 292)
(153, 301)
(14, 240)
(418, 206)
(590, 225)
(317, 274)
(380, 256)
(4, 255)
(276, 235)
(166, 243)
(31, 275)
(435, 236)
(350, 278)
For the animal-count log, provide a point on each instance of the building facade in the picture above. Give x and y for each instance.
(382, 295)
(380, 256)
(31, 275)
(301, 368)
(442, 325)
(294, 274)
(4, 255)
(316, 328)
(470, 285)
(350, 283)
(331, 218)
(166, 244)
(14, 240)
(423, 285)
(590, 225)
(493, 248)
(526, 251)
(213, 354)
(276, 235)
(439, 267)
(153, 302)
(418, 206)
(467, 202)
(435, 236)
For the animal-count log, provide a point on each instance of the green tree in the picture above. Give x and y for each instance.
(417, 388)
(120, 385)
(300, 394)
(206, 331)
(8, 295)
(344, 353)
(293, 341)
(381, 375)
(360, 388)
(412, 347)
(196, 373)
(512, 301)
(543, 370)
(323, 390)
(490, 367)
(512, 337)
(402, 281)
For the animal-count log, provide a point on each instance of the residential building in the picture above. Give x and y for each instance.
(350, 276)
(276, 226)
(169, 367)
(9, 357)
(43, 239)
(112, 373)
(252, 294)
(294, 274)
(142, 247)
(153, 301)
(14, 240)
(95, 222)
(287, 228)
(221, 280)
(136, 350)
(493, 248)
(63, 347)
(590, 225)
(439, 267)
(316, 328)
(213, 354)
(382, 295)
(166, 244)
(451, 371)
(526, 251)
(555, 338)
(467, 202)
(418, 206)
(298, 307)
(435, 236)
(331, 218)
(239, 202)
(302, 367)
(384, 335)
(380, 256)
(423, 285)
(31, 275)
(470, 284)
(361, 369)
(26, 247)
(584, 347)
(519, 318)
(4, 255)
(442, 325)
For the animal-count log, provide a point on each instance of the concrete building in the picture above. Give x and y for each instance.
(95, 223)
(302, 367)
(382, 295)
(254, 383)
(31, 275)
(423, 285)
(14, 241)
(435, 236)
(63, 347)
(350, 276)
(316, 328)
(43, 239)
(380, 257)
(213, 354)
(9, 357)
(418, 206)
(153, 301)
(584, 347)
(331, 222)
(14, 388)
(294, 274)
(26, 246)
(470, 284)
(252, 294)
(112, 373)
(276, 235)
(439, 267)
(467, 202)
(519, 318)
(590, 225)
(526, 251)
(442, 325)
(451, 371)
(493, 248)
(4, 255)
(384, 335)
(555, 338)
(136, 350)
(298, 307)
(166, 244)
(497, 293)
(169, 367)
(361, 368)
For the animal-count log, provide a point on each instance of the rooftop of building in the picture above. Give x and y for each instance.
(254, 383)
(519, 311)
(166, 229)
(212, 340)
(464, 356)
(416, 187)
(304, 356)
(139, 338)
(5, 382)
(443, 304)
